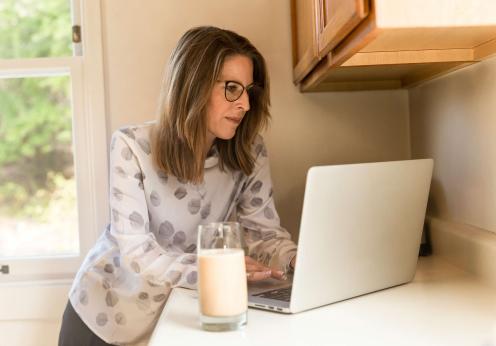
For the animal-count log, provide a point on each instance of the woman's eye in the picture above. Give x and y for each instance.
(232, 88)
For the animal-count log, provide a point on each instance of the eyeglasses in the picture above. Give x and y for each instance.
(233, 90)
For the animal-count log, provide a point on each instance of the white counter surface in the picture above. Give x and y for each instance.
(442, 306)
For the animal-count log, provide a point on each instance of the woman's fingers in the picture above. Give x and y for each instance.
(255, 271)
(257, 276)
(279, 275)
(249, 260)
(256, 268)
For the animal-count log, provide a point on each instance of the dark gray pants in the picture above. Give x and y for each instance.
(74, 331)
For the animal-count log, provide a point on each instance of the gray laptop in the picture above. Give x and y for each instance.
(360, 232)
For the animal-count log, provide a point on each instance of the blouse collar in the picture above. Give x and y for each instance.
(212, 157)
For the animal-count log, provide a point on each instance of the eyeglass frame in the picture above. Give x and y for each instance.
(247, 88)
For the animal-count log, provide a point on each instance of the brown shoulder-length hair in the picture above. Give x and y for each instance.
(179, 136)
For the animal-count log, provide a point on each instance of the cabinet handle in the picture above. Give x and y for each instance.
(4, 269)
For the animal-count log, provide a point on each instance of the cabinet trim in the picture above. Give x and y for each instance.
(409, 57)
(436, 70)
(485, 50)
(361, 85)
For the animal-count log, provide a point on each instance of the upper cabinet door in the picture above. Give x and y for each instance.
(337, 18)
(305, 26)
(318, 26)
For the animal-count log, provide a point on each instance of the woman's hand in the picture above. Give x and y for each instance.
(256, 271)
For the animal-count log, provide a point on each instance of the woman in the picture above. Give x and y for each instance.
(202, 161)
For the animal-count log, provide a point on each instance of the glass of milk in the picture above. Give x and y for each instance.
(222, 285)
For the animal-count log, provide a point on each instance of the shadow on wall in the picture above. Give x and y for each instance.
(437, 199)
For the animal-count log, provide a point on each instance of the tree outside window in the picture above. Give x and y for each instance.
(38, 204)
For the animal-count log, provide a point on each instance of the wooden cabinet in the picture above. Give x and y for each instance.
(386, 44)
(337, 19)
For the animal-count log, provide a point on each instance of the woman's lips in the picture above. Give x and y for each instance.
(234, 120)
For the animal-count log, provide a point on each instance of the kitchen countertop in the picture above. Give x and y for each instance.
(443, 305)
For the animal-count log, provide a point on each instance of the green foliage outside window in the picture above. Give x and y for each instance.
(35, 28)
(35, 112)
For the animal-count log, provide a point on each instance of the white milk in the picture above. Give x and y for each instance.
(222, 282)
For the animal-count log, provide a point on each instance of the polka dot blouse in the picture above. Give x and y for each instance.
(149, 247)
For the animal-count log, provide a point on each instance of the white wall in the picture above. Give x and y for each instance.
(453, 120)
(307, 129)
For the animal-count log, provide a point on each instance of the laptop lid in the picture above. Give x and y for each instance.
(360, 230)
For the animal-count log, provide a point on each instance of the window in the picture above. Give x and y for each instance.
(52, 137)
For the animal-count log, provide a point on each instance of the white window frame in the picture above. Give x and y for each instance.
(89, 140)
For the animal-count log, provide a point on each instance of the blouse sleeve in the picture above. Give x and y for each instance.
(130, 227)
(266, 241)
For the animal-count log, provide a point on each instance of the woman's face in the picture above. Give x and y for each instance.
(223, 117)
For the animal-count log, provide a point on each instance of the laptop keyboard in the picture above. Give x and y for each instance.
(282, 294)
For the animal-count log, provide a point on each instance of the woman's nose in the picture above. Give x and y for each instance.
(244, 101)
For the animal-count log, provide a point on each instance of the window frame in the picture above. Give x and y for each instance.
(89, 140)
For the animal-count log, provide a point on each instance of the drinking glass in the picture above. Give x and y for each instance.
(222, 285)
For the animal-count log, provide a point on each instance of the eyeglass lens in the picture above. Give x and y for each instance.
(234, 90)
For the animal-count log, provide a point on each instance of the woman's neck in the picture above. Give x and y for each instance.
(209, 143)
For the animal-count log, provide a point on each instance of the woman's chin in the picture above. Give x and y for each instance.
(226, 135)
